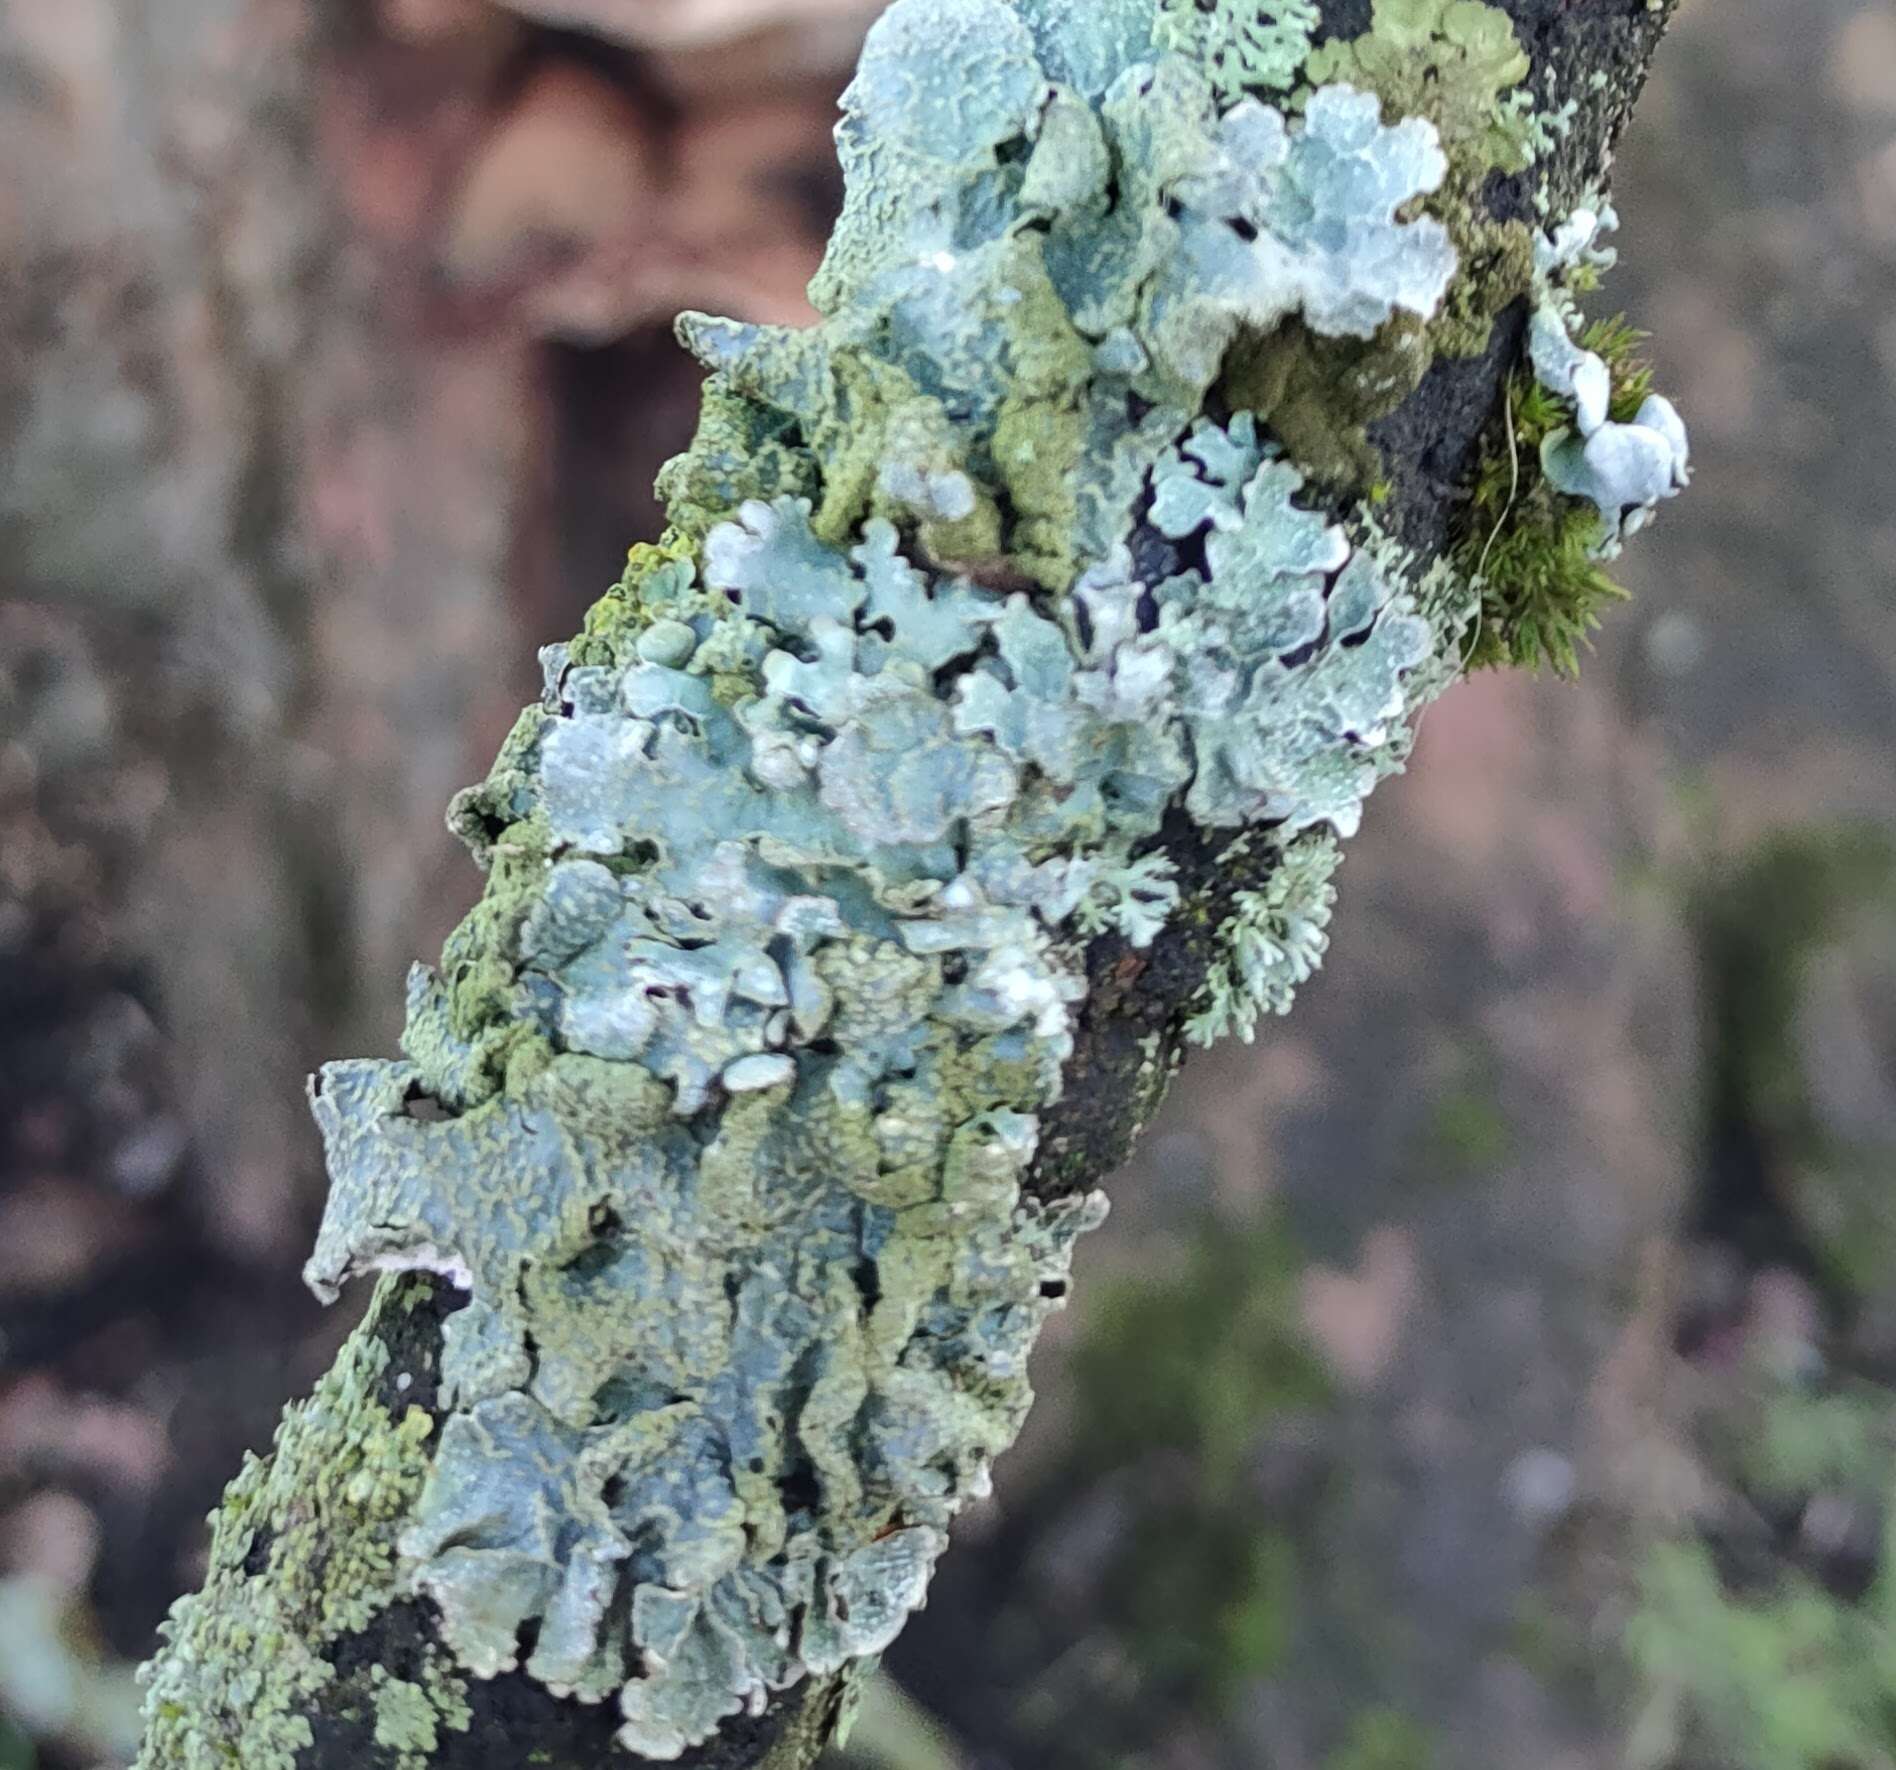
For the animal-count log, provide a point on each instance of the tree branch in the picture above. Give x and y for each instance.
(981, 733)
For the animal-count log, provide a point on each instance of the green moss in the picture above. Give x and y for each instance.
(1542, 590)
(302, 1554)
(1530, 549)
(1318, 395)
(1795, 1678)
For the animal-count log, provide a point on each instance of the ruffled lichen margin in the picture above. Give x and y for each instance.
(1028, 636)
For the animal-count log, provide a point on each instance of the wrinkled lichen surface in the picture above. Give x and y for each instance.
(719, 1106)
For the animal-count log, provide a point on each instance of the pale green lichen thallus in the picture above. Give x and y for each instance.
(739, 1067)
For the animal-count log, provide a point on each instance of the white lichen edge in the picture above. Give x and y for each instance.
(1624, 470)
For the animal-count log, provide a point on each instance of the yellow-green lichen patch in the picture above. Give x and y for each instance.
(644, 596)
(302, 1554)
(1458, 63)
(410, 1717)
(743, 449)
(405, 1720)
(1497, 269)
(1040, 430)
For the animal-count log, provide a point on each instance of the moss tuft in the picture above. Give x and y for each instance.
(1529, 548)
(1318, 395)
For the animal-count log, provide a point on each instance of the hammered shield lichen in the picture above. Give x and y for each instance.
(733, 1081)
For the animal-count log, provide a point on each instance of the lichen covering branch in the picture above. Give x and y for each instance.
(1048, 542)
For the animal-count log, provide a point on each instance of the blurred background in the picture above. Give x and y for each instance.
(1494, 1368)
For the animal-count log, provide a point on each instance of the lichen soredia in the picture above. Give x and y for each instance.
(740, 1065)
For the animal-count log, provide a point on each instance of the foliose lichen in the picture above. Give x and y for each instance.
(1021, 260)
(1273, 942)
(721, 1103)
(1245, 48)
(1456, 62)
(1624, 469)
(305, 1541)
(1582, 457)
(409, 1716)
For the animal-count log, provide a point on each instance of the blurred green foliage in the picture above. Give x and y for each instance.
(1468, 1132)
(1792, 1678)
(1196, 1359)
(1384, 1739)
(1781, 1654)
(1196, 1363)
(1758, 928)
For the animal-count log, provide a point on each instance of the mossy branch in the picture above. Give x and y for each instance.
(983, 729)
